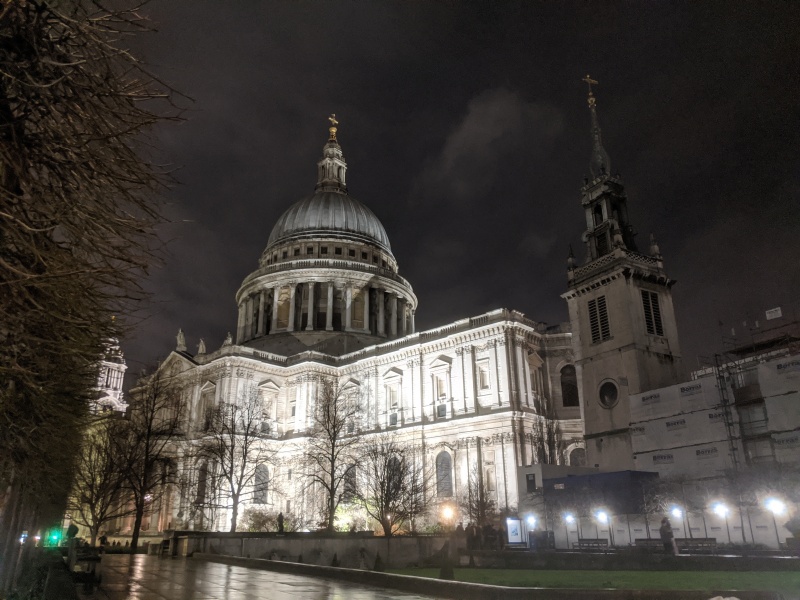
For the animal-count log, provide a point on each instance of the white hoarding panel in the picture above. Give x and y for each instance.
(779, 377)
(703, 460)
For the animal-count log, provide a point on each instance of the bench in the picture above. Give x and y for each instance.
(648, 543)
(687, 545)
(708, 545)
(591, 544)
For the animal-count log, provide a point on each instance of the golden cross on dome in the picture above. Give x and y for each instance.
(332, 128)
(590, 82)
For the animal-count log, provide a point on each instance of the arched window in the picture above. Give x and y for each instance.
(577, 458)
(261, 489)
(569, 386)
(444, 475)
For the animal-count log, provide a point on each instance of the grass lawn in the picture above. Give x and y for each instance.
(780, 581)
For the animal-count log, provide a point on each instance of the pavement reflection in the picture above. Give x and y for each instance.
(140, 577)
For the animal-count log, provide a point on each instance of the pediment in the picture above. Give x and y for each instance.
(392, 373)
(268, 385)
(442, 361)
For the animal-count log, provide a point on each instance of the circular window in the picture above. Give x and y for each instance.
(608, 394)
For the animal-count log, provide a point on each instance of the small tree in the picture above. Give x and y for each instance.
(98, 490)
(390, 483)
(234, 443)
(475, 502)
(147, 441)
(331, 448)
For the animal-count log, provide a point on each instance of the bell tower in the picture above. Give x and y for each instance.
(624, 333)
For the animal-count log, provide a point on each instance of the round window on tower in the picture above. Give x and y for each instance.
(609, 394)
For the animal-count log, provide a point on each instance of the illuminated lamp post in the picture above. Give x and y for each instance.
(776, 507)
(530, 523)
(447, 515)
(568, 520)
(722, 511)
(605, 519)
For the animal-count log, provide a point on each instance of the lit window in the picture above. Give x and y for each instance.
(483, 374)
(439, 386)
(444, 475)
(393, 395)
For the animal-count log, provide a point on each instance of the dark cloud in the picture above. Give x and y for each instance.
(466, 131)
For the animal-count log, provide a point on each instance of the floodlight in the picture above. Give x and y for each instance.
(720, 510)
(775, 506)
(569, 518)
(532, 521)
(676, 512)
(602, 517)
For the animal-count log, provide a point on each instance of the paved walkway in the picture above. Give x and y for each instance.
(140, 577)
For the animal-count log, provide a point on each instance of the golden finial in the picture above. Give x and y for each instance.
(332, 128)
(590, 83)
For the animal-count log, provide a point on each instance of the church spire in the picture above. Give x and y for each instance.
(600, 163)
(332, 168)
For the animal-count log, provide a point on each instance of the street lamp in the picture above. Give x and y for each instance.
(722, 511)
(776, 507)
(676, 512)
(569, 520)
(447, 513)
(604, 519)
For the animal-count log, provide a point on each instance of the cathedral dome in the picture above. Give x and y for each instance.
(327, 280)
(329, 213)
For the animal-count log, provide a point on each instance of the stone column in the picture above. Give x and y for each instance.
(248, 318)
(276, 293)
(393, 314)
(413, 327)
(348, 308)
(404, 313)
(291, 307)
(310, 325)
(261, 300)
(365, 291)
(240, 324)
(381, 316)
(329, 313)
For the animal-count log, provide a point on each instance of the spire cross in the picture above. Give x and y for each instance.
(590, 82)
(332, 128)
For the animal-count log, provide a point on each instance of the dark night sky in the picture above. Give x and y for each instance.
(466, 130)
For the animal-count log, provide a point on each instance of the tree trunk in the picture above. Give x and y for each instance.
(137, 525)
(7, 555)
(234, 513)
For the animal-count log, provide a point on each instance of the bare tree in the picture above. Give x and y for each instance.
(98, 490)
(76, 217)
(235, 444)
(474, 501)
(390, 483)
(155, 424)
(332, 443)
(547, 440)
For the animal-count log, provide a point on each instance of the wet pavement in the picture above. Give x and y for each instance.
(140, 577)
